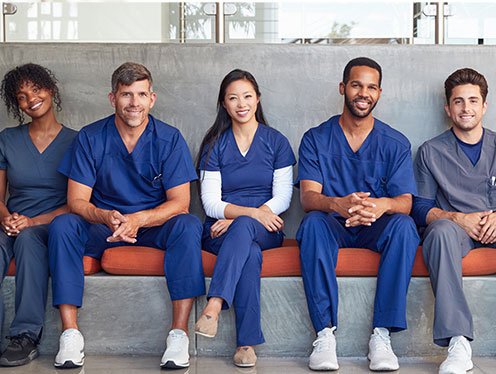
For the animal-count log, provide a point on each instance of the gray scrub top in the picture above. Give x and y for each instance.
(34, 184)
(444, 173)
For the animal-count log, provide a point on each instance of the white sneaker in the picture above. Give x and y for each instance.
(459, 359)
(323, 356)
(381, 355)
(176, 355)
(71, 349)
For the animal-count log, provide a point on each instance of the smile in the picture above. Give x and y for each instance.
(36, 106)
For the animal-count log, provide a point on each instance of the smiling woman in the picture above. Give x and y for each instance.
(29, 157)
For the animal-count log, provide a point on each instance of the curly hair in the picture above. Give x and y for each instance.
(33, 73)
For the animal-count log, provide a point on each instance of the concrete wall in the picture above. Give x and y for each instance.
(298, 84)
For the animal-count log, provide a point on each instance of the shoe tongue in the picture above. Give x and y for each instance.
(178, 332)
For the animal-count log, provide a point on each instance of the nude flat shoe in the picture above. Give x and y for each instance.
(245, 357)
(206, 326)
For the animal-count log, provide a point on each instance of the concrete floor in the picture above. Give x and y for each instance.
(207, 365)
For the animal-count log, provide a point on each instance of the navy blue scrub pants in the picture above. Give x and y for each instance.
(236, 277)
(29, 249)
(71, 238)
(393, 236)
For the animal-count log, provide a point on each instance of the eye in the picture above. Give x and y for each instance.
(248, 96)
(36, 89)
(143, 94)
(21, 98)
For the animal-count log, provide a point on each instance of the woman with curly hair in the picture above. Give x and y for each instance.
(29, 157)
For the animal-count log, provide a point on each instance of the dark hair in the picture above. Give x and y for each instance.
(128, 73)
(465, 76)
(361, 61)
(33, 73)
(223, 121)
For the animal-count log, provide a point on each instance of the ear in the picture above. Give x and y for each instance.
(342, 87)
(153, 97)
(484, 108)
(447, 110)
(111, 97)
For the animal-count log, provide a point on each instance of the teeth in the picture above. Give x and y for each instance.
(36, 106)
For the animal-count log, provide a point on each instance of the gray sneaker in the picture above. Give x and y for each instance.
(381, 355)
(323, 356)
(176, 355)
(71, 350)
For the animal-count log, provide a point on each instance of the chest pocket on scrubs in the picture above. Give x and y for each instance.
(377, 186)
(491, 192)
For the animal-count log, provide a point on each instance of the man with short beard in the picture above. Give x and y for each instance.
(129, 184)
(356, 181)
(456, 180)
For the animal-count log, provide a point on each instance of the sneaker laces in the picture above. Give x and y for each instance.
(324, 341)
(455, 347)
(19, 341)
(68, 341)
(175, 344)
(381, 342)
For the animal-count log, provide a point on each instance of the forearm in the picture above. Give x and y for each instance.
(400, 204)
(436, 213)
(312, 200)
(234, 211)
(88, 211)
(4, 212)
(46, 218)
(161, 214)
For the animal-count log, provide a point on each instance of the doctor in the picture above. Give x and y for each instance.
(246, 183)
(129, 177)
(456, 179)
(356, 185)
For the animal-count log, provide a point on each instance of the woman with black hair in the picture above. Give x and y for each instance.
(246, 182)
(29, 157)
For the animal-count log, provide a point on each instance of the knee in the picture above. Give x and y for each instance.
(404, 224)
(65, 224)
(313, 219)
(30, 240)
(438, 232)
(244, 224)
(187, 224)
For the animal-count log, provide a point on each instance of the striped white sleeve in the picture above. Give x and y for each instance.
(211, 194)
(282, 189)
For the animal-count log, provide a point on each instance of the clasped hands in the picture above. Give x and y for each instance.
(124, 227)
(360, 209)
(14, 223)
(480, 226)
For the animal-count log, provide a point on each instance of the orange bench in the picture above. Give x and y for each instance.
(284, 262)
(91, 266)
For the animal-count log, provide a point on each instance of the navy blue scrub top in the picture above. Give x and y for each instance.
(382, 165)
(247, 180)
(34, 184)
(129, 182)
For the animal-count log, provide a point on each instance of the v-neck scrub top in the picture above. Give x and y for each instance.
(382, 165)
(247, 180)
(445, 173)
(129, 182)
(35, 186)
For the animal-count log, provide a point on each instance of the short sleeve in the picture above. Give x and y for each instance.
(177, 167)
(401, 180)
(78, 163)
(209, 160)
(3, 158)
(426, 184)
(284, 155)
(308, 162)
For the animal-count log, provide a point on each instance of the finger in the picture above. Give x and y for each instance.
(362, 194)
(368, 204)
(482, 233)
(355, 208)
(118, 216)
(487, 235)
(350, 221)
(366, 213)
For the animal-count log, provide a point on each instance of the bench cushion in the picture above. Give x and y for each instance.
(284, 262)
(91, 266)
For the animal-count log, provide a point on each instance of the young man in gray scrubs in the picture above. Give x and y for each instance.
(456, 180)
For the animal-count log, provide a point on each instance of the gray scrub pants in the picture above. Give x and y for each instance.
(445, 244)
(30, 251)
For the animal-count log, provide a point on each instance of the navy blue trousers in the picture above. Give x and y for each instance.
(320, 236)
(71, 238)
(29, 249)
(236, 277)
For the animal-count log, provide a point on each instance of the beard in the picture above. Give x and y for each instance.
(357, 112)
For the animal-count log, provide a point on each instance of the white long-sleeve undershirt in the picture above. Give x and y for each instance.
(211, 192)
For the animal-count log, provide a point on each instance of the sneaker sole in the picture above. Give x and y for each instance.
(204, 334)
(324, 368)
(32, 355)
(171, 365)
(69, 364)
